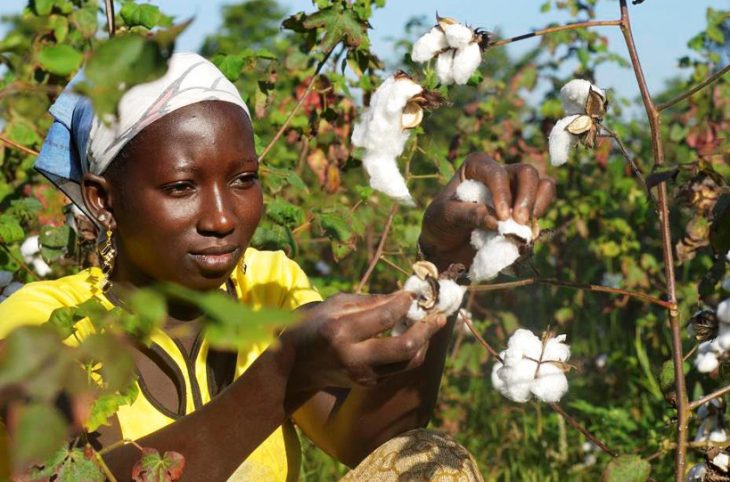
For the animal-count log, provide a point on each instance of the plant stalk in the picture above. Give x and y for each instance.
(693, 90)
(379, 250)
(560, 28)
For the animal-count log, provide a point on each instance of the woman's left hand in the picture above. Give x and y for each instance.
(517, 190)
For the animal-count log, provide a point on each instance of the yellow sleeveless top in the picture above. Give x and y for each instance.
(271, 280)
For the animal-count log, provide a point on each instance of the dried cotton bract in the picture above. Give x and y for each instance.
(457, 49)
(396, 106)
(531, 366)
(495, 250)
(711, 352)
(585, 106)
(434, 294)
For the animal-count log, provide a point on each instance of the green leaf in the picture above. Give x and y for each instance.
(284, 213)
(230, 65)
(144, 14)
(335, 227)
(63, 319)
(10, 229)
(148, 312)
(60, 59)
(23, 132)
(107, 405)
(56, 237)
(117, 365)
(155, 468)
(84, 19)
(33, 420)
(59, 24)
(43, 7)
(627, 468)
(337, 22)
(666, 375)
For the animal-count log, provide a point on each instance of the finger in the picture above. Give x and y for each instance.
(544, 197)
(470, 215)
(378, 314)
(399, 349)
(483, 168)
(525, 180)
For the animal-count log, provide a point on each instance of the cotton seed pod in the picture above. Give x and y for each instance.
(596, 103)
(704, 323)
(580, 124)
(412, 115)
(425, 269)
(717, 464)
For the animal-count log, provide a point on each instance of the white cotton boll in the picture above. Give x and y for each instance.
(723, 311)
(524, 342)
(496, 254)
(601, 361)
(706, 360)
(722, 460)
(466, 62)
(696, 473)
(480, 237)
(12, 288)
(561, 141)
(556, 350)
(444, 66)
(30, 247)
(497, 382)
(471, 191)
(417, 286)
(550, 384)
(401, 91)
(721, 343)
(574, 95)
(518, 377)
(386, 178)
(41, 267)
(458, 36)
(5, 278)
(718, 435)
(510, 226)
(431, 43)
(450, 296)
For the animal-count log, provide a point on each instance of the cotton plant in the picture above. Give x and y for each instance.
(395, 108)
(713, 329)
(495, 250)
(585, 106)
(711, 419)
(531, 366)
(435, 293)
(456, 47)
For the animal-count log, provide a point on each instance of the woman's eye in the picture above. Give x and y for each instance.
(179, 188)
(245, 180)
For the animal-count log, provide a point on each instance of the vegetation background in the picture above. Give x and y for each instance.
(322, 213)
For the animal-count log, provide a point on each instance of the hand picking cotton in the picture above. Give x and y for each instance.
(457, 49)
(395, 107)
(585, 106)
(498, 250)
(434, 294)
(532, 367)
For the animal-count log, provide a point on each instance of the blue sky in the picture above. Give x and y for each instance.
(661, 27)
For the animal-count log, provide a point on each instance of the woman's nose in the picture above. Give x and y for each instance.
(216, 215)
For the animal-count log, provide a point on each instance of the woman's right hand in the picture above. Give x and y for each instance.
(338, 342)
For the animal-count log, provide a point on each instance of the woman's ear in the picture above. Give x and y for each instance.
(97, 196)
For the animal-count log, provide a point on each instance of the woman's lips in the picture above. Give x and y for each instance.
(216, 259)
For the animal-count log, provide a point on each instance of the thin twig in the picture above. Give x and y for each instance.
(632, 162)
(110, 18)
(17, 146)
(560, 28)
(693, 90)
(379, 250)
(104, 467)
(296, 108)
(481, 340)
(668, 257)
(716, 394)
(569, 284)
(577, 425)
(119, 443)
(385, 260)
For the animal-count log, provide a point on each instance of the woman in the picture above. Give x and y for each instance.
(174, 184)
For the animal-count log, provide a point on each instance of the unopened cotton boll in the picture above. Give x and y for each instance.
(428, 45)
(473, 192)
(457, 35)
(466, 62)
(561, 141)
(723, 311)
(444, 67)
(574, 95)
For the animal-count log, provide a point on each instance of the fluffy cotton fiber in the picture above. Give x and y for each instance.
(528, 369)
(429, 45)
(449, 300)
(380, 132)
(574, 95)
(561, 141)
(456, 49)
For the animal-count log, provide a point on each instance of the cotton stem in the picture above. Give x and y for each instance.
(577, 425)
(17, 146)
(109, 11)
(716, 394)
(673, 314)
(379, 250)
(693, 90)
(560, 28)
(631, 161)
(481, 340)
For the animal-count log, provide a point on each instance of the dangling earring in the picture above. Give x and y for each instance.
(107, 253)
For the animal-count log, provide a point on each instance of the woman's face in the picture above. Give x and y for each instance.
(186, 199)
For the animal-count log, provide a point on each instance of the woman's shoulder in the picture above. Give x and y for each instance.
(33, 303)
